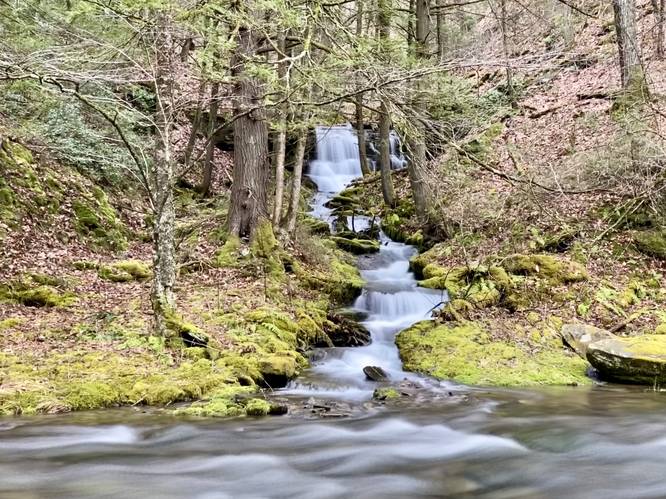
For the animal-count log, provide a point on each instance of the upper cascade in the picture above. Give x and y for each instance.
(337, 160)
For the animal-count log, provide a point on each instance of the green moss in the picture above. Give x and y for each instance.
(387, 393)
(652, 243)
(257, 407)
(229, 253)
(124, 271)
(85, 265)
(41, 296)
(546, 266)
(465, 352)
(9, 323)
(356, 246)
(97, 220)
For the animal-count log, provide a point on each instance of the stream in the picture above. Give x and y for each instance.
(447, 441)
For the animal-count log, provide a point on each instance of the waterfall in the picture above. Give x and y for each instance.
(337, 161)
(391, 299)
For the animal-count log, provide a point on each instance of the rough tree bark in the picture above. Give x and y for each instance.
(417, 161)
(296, 183)
(383, 28)
(248, 201)
(164, 262)
(631, 72)
(360, 129)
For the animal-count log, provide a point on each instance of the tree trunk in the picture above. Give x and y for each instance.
(383, 27)
(360, 129)
(296, 183)
(209, 164)
(441, 36)
(505, 48)
(385, 155)
(417, 160)
(658, 8)
(410, 24)
(631, 72)
(250, 173)
(164, 263)
(281, 142)
(196, 123)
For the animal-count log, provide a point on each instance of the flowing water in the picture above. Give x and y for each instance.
(454, 441)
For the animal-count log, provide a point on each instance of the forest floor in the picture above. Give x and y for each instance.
(75, 315)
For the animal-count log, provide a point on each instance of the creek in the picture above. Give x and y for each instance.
(446, 441)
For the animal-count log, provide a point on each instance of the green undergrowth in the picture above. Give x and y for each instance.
(467, 353)
(36, 191)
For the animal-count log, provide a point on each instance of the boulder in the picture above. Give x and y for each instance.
(641, 359)
(374, 373)
(579, 336)
(356, 246)
(346, 332)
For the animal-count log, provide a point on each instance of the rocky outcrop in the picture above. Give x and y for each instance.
(640, 359)
(579, 336)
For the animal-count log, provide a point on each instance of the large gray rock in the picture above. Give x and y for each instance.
(641, 359)
(579, 336)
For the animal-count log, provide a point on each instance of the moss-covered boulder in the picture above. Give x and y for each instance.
(466, 352)
(652, 243)
(98, 221)
(125, 271)
(277, 370)
(32, 294)
(356, 246)
(640, 359)
(558, 270)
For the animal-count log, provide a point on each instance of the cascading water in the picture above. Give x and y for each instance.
(391, 299)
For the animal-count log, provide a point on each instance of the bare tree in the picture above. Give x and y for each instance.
(360, 125)
(659, 17)
(383, 27)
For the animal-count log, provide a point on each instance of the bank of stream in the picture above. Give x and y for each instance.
(447, 440)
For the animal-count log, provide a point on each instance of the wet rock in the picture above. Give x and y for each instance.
(579, 336)
(374, 373)
(345, 332)
(356, 246)
(277, 370)
(640, 360)
(386, 393)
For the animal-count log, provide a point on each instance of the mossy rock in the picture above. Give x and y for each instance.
(651, 243)
(40, 296)
(277, 370)
(640, 359)
(465, 352)
(356, 246)
(97, 220)
(317, 226)
(546, 266)
(257, 407)
(386, 393)
(125, 271)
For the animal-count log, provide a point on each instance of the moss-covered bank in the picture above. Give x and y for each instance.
(466, 352)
